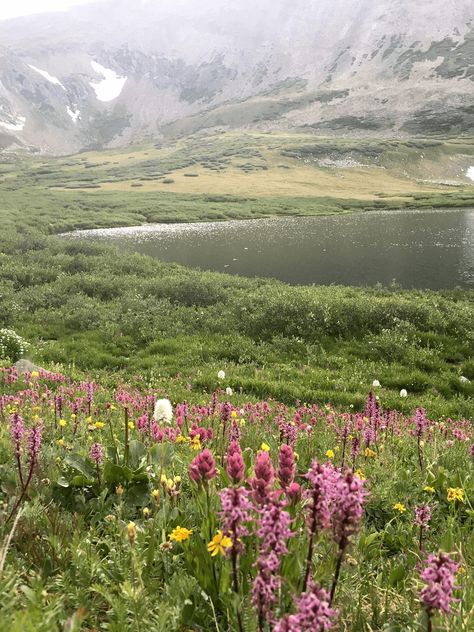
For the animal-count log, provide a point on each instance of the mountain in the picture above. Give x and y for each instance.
(115, 72)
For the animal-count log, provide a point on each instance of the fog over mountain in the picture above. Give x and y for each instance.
(116, 72)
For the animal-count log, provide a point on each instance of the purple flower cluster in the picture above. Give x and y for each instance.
(273, 532)
(96, 453)
(421, 423)
(348, 507)
(422, 516)
(313, 612)
(262, 483)
(236, 512)
(286, 466)
(235, 463)
(143, 424)
(17, 430)
(323, 480)
(439, 576)
(34, 443)
(203, 467)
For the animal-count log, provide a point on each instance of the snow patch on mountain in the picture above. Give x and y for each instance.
(45, 74)
(110, 87)
(470, 173)
(17, 126)
(74, 114)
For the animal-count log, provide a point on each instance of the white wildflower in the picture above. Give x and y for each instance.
(229, 391)
(221, 375)
(163, 411)
(375, 383)
(403, 392)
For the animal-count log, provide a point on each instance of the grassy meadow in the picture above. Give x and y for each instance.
(115, 513)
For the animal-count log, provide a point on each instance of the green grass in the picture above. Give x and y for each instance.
(240, 176)
(130, 322)
(98, 308)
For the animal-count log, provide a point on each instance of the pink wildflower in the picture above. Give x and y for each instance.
(262, 483)
(235, 514)
(235, 463)
(203, 467)
(274, 531)
(286, 466)
(438, 577)
(96, 453)
(313, 612)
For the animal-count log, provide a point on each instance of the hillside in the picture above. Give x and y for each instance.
(93, 77)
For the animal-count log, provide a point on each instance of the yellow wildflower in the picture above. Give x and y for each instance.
(196, 443)
(233, 414)
(163, 479)
(370, 453)
(146, 512)
(62, 423)
(131, 425)
(399, 507)
(429, 489)
(330, 454)
(455, 493)
(219, 544)
(180, 439)
(156, 494)
(60, 442)
(180, 534)
(131, 532)
(99, 424)
(34, 374)
(360, 474)
(265, 447)
(242, 422)
(119, 490)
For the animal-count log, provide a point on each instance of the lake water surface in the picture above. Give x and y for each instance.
(417, 249)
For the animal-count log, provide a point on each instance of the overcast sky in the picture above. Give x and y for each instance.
(16, 8)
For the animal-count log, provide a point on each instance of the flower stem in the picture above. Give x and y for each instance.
(336, 575)
(127, 447)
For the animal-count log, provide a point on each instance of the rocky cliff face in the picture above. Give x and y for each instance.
(117, 72)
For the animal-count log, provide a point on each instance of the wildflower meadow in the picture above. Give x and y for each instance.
(124, 507)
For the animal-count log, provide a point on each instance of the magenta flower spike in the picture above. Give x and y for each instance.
(203, 467)
(235, 464)
(438, 576)
(286, 466)
(313, 612)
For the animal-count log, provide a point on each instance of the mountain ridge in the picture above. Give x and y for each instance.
(340, 66)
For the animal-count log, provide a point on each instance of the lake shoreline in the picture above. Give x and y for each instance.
(416, 248)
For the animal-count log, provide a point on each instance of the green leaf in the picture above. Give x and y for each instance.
(372, 537)
(162, 454)
(137, 451)
(79, 463)
(62, 482)
(81, 481)
(397, 574)
(114, 474)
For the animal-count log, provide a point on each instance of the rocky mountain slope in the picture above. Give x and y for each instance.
(116, 71)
